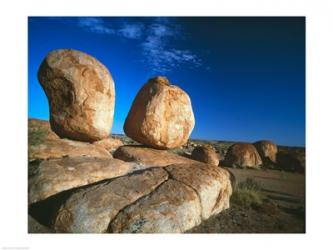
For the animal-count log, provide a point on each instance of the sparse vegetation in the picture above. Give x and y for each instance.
(36, 136)
(284, 175)
(247, 194)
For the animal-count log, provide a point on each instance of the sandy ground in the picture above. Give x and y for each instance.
(282, 211)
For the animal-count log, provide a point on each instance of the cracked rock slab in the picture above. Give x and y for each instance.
(58, 148)
(50, 177)
(90, 210)
(148, 156)
(142, 199)
(172, 208)
(212, 184)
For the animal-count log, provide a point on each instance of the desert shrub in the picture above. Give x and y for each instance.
(36, 136)
(125, 140)
(247, 194)
(249, 184)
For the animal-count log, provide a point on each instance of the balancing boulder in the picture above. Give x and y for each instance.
(81, 95)
(161, 115)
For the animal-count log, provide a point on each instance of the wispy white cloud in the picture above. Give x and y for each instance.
(159, 52)
(157, 41)
(131, 31)
(95, 25)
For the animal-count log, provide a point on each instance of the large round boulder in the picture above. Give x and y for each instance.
(81, 95)
(161, 115)
(206, 154)
(267, 150)
(243, 155)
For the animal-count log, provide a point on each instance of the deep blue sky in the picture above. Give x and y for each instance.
(245, 76)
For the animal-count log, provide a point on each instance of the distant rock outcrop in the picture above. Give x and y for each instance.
(242, 155)
(161, 115)
(206, 154)
(291, 160)
(267, 150)
(81, 95)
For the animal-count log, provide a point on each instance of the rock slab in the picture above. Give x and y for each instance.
(169, 199)
(58, 148)
(50, 177)
(149, 157)
(91, 209)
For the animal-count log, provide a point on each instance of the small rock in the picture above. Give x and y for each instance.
(206, 154)
(243, 155)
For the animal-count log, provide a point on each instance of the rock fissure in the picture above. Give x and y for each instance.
(109, 228)
(192, 188)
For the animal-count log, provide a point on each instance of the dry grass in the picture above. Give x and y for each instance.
(247, 194)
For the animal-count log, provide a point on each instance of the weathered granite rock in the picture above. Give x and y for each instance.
(206, 154)
(91, 209)
(50, 177)
(57, 148)
(212, 184)
(172, 208)
(110, 144)
(267, 150)
(158, 191)
(168, 199)
(242, 155)
(149, 156)
(291, 161)
(81, 95)
(161, 115)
